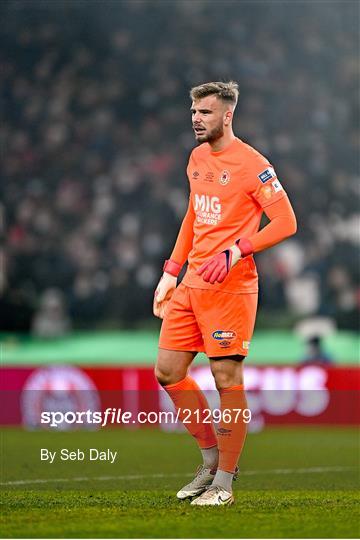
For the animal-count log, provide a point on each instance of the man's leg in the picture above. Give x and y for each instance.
(228, 375)
(229, 380)
(171, 372)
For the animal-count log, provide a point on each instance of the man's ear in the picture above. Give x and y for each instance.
(228, 118)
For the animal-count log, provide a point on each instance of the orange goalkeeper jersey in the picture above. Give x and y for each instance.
(228, 191)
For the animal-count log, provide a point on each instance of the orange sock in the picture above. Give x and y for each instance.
(186, 394)
(231, 435)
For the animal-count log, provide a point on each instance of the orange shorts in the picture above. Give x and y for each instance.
(215, 322)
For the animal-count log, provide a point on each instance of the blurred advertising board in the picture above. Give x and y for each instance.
(310, 394)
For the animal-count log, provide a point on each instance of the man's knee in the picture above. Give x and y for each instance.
(227, 372)
(165, 375)
(222, 379)
(171, 366)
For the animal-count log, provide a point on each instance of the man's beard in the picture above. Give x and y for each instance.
(214, 135)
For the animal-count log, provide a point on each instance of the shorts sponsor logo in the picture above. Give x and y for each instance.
(224, 178)
(224, 344)
(266, 175)
(223, 335)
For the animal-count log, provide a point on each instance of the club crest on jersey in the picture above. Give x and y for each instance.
(223, 334)
(266, 175)
(224, 178)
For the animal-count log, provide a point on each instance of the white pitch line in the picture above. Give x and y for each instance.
(309, 470)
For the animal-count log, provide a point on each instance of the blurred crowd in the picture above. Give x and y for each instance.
(96, 135)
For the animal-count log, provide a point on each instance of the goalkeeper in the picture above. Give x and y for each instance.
(213, 310)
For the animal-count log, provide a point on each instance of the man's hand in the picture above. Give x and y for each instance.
(163, 293)
(218, 267)
(166, 287)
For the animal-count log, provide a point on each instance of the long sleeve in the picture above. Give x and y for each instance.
(184, 241)
(282, 225)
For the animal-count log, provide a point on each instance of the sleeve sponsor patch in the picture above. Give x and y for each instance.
(266, 175)
(277, 186)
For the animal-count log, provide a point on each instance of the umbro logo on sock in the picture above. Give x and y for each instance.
(224, 431)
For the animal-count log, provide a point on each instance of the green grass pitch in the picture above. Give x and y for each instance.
(294, 482)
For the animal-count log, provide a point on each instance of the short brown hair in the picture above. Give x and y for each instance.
(228, 92)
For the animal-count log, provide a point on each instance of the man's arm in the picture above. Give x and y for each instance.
(282, 225)
(173, 266)
(184, 241)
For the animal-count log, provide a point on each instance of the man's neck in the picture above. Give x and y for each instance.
(223, 142)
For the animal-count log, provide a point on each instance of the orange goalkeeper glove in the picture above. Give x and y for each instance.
(165, 288)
